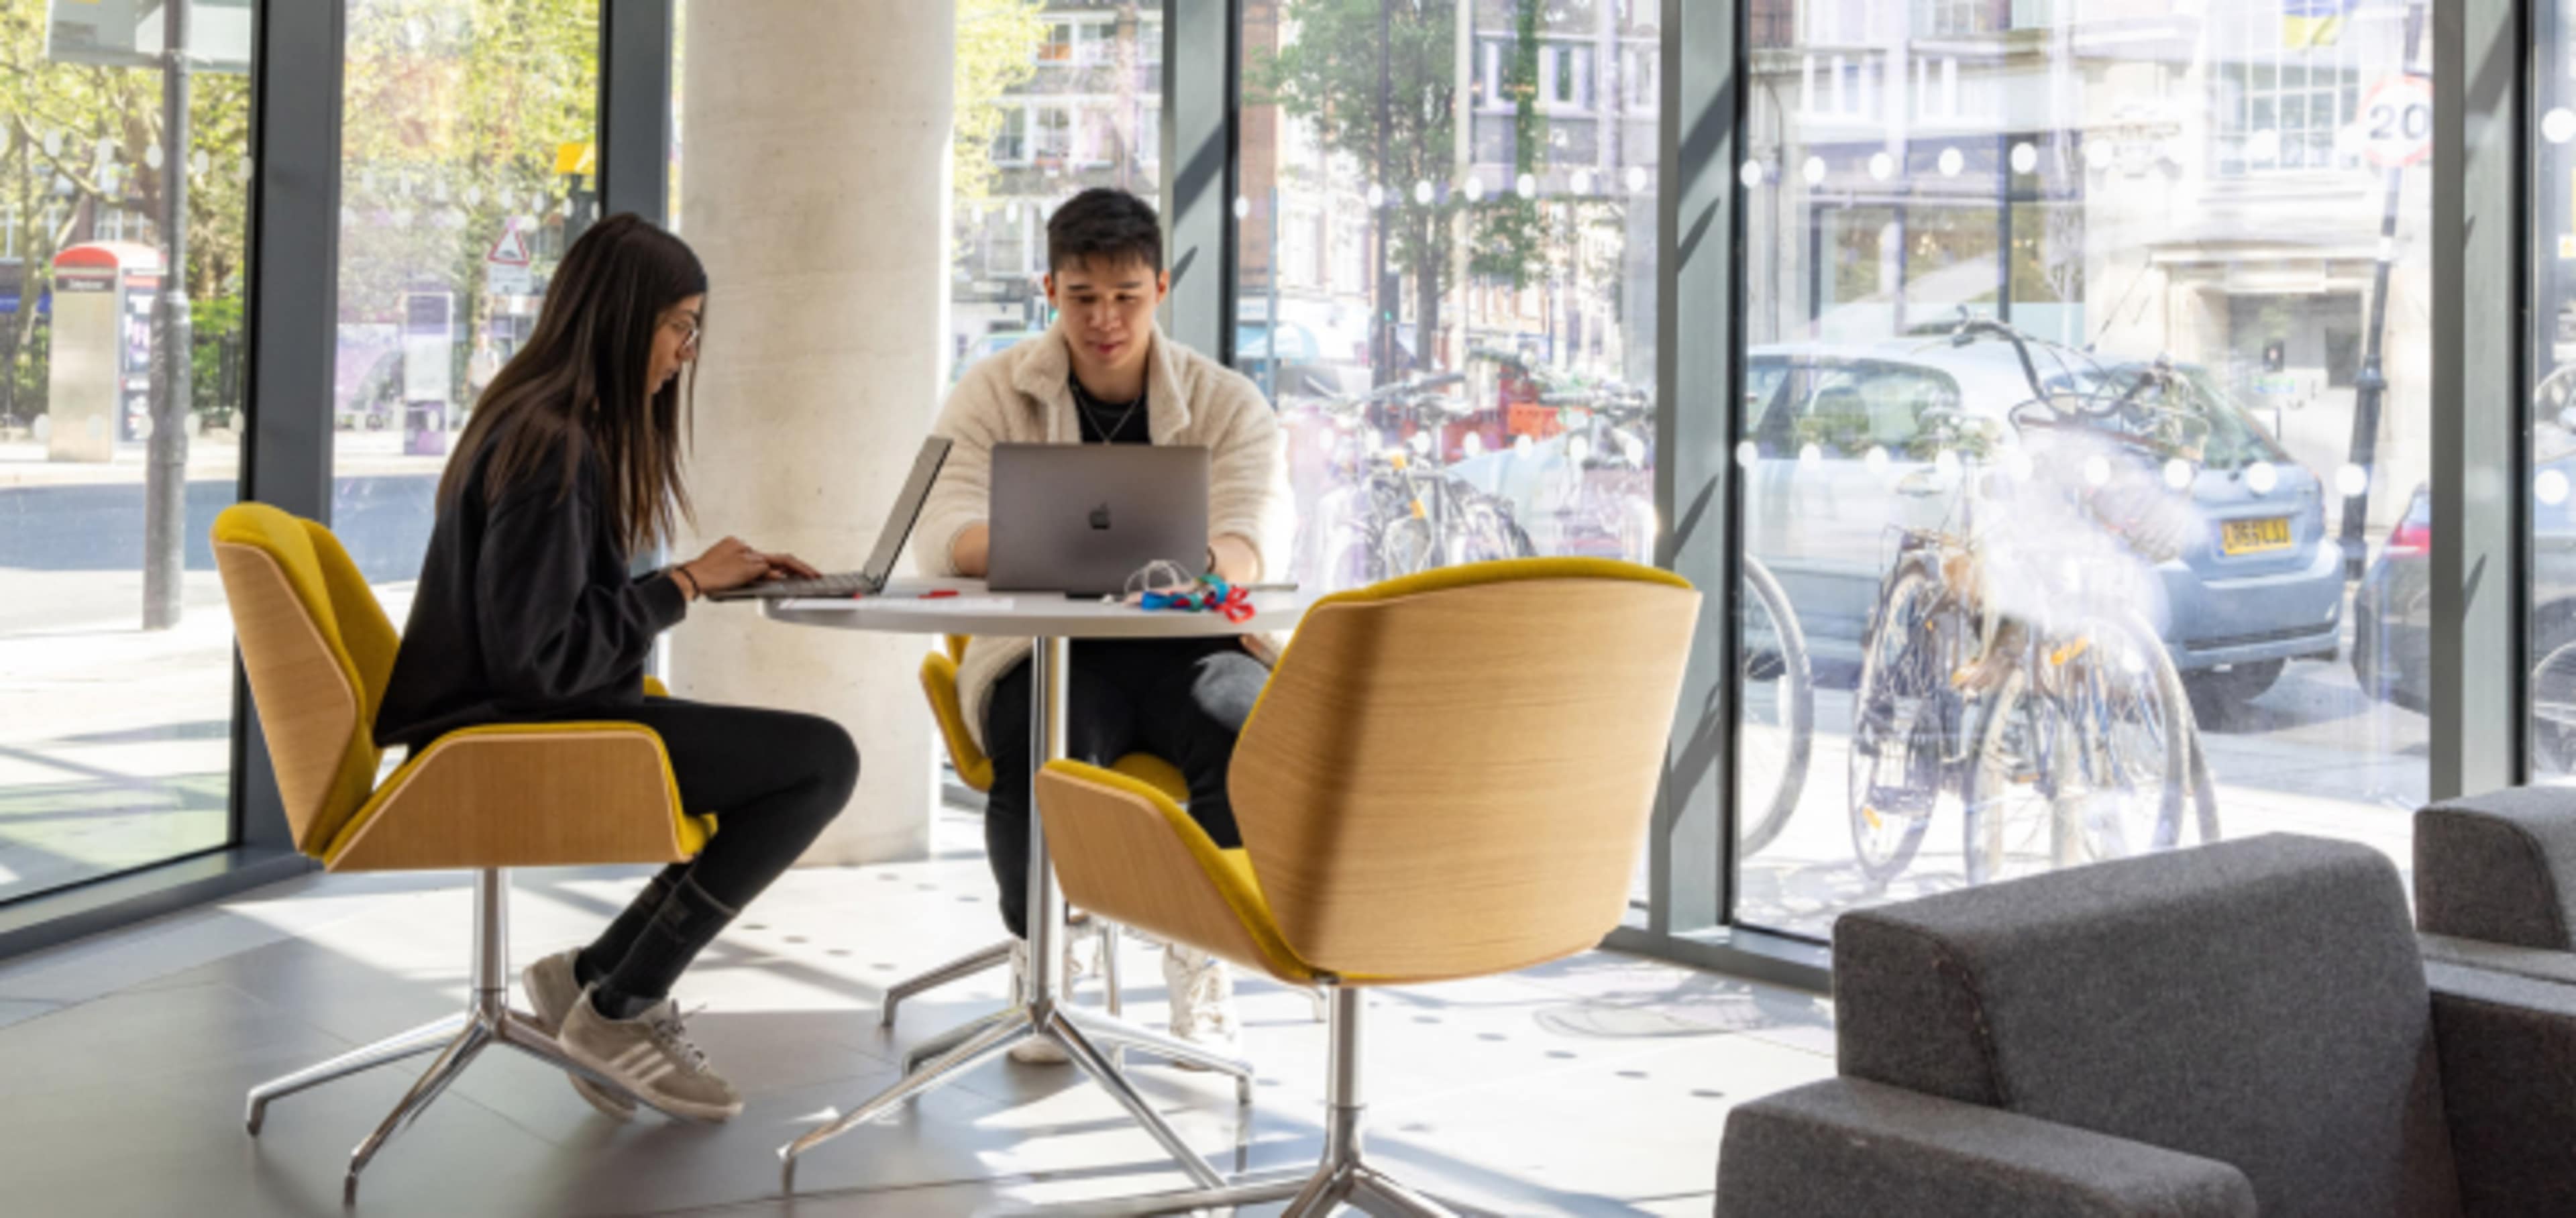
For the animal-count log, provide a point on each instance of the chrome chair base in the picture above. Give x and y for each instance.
(458, 1039)
(1090, 1039)
(1345, 1177)
(997, 956)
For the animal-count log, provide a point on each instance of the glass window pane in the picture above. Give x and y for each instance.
(2552, 421)
(2001, 619)
(455, 208)
(1016, 157)
(1489, 302)
(115, 641)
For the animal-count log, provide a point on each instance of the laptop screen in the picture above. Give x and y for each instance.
(907, 509)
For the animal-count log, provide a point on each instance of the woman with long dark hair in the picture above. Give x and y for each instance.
(526, 611)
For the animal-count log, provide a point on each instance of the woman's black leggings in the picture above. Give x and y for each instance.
(773, 779)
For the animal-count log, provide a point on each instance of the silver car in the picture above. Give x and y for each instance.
(1837, 451)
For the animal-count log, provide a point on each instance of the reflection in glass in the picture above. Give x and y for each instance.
(2552, 419)
(2079, 382)
(1450, 298)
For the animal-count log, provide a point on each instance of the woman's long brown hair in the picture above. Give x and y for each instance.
(578, 385)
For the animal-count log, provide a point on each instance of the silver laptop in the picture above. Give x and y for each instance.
(870, 579)
(1081, 518)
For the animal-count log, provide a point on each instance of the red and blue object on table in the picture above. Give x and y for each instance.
(1213, 595)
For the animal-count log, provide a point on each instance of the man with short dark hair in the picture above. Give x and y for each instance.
(1103, 374)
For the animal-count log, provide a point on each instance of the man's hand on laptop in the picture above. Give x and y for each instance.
(731, 564)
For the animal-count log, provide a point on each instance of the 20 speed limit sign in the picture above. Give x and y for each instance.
(2397, 121)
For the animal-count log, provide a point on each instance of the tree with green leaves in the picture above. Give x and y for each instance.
(454, 116)
(1328, 77)
(994, 38)
(77, 141)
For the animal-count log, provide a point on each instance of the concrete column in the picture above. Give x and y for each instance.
(814, 188)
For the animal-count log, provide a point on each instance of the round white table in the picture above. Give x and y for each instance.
(1091, 1039)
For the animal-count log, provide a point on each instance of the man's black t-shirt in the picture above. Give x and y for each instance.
(1108, 423)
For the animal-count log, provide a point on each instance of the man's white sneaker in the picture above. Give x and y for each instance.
(1202, 992)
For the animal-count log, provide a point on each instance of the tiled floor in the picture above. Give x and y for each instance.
(1596, 1085)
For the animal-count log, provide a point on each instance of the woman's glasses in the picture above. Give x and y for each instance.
(689, 331)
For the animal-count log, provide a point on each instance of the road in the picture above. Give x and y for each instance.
(75, 553)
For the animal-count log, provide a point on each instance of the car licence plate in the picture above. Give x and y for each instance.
(2255, 536)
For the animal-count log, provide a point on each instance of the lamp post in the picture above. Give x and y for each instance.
(165, 511)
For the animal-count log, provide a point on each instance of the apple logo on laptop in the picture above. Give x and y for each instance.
(1100, 517)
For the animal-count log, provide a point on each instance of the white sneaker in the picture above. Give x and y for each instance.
(1202, 991)
(1080, 952)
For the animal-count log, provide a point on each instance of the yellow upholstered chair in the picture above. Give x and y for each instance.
(318, 650)
(1449, 775)
(939, 684)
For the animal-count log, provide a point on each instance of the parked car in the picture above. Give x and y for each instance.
(2233, 608)
(1304, 366)
(2392, 615)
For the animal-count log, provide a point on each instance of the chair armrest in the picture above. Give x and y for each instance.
(525, 795)
(653, 688)
(2508, 1054)
(939, 684)
(2497, 866)
(1847, 1146)
(1126, 851)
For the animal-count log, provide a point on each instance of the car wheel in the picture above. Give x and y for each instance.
(2215, 692)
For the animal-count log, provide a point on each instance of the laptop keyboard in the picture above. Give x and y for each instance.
(847, 583)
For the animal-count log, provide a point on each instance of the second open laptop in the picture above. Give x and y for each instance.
(871, 578)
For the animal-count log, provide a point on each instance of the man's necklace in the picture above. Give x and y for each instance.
(1090, 410)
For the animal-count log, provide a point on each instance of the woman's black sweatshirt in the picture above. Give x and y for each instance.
(524, 608)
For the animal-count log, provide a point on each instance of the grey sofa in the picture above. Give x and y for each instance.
(2495, 881)
(2246, 1028)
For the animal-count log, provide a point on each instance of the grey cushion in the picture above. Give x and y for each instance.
(1846, 1147)
(2260, 1002)
(2509, 1085)
(2491, 867)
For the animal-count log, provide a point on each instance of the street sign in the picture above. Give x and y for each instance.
(127, 34)
(2397, 121)
(505, 269)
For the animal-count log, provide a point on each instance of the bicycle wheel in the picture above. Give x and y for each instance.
(1481, 529)
(2008, 796)
(1775, 710)
(1905, 718)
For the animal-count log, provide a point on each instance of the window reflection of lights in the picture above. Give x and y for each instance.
(2097, 471)
(2025, 157)
(1952, 161)
(2262, 477)
(1875, 460)
(2178, 474)
(1750, 175)
(1946, 464)
(1815, 171)
(1746, 453)
(1809, 454)
(1881, 167)
(2550, 487)
(2017, 463)
(2352, 480)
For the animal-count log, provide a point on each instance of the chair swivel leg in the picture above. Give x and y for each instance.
(427, 1038)
(459, 1054)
